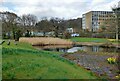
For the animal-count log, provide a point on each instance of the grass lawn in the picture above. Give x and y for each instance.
(83, 39)
(22, 61)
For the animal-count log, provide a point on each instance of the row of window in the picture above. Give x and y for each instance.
(96, 19)
(101, 12)
(106, 16)
(95, 23)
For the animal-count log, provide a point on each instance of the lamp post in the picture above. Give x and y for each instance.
(116, 17)
(117, 12)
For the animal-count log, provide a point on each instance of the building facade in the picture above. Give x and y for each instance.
(69, 30)
(93, 19)
(119, 4)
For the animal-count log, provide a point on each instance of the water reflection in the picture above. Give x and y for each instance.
(71, 49)
(59, 48)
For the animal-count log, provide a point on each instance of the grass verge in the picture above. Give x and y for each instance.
(22, 61)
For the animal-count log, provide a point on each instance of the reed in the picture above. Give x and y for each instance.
(45, 41)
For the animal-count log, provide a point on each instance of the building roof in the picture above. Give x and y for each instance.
(97, 11)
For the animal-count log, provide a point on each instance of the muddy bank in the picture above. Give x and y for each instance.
(97, 44)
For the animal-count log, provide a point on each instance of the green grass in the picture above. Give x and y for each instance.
(21, 45)
(22, 61)
(83, 39)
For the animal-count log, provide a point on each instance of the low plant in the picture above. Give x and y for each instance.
(117, 77)
(111, 60)
(11, 75)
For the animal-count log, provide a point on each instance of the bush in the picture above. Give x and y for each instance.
(18, 35)
(4, 36)
(28, 33)
(85, 34)
(104, 35)
(67, 35)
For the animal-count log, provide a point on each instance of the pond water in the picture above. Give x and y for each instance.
(72, 49)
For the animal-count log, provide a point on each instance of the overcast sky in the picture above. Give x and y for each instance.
(66, 9)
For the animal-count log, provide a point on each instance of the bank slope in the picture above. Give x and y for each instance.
(21, 63)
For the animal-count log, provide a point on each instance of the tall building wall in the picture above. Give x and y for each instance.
(88, 21)
(119, 4)
(83, 21)
(92, 19)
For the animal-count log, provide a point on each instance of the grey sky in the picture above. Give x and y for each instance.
(56, 8)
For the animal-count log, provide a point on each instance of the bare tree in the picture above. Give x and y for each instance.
(10, 21)
(28, 20)
(44, 25)
(56, 25)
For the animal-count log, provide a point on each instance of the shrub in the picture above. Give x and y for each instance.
(18, 35)
(28, 33)
(67, 35)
